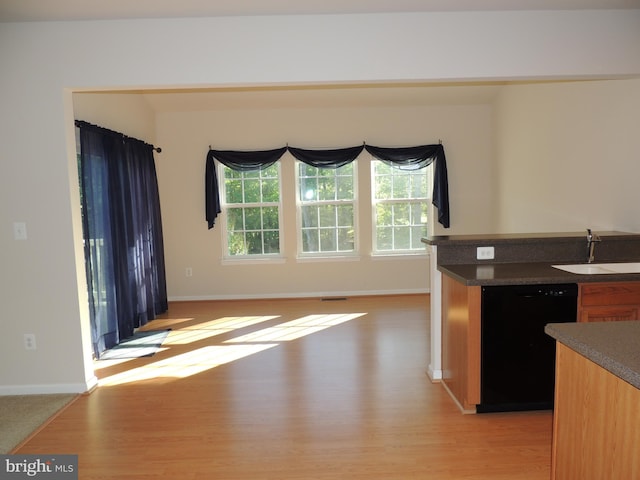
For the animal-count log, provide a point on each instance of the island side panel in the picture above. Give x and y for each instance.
(596, 425)
(461, 342)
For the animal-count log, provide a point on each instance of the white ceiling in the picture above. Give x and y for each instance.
(56, 10)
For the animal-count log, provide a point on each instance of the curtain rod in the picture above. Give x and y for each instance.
(80, 123)
(287, 145)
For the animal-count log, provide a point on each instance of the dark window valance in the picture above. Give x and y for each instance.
(414, 158)
(247, 161)
(407, 158)
(236, 160)
(333, 159)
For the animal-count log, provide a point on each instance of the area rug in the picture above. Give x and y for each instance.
(22, 415)
(140, 344)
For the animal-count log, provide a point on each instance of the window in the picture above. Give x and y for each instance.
(326, 210)
(401, 200)
(252, 208)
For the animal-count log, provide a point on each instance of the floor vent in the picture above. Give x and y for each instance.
(333, 299)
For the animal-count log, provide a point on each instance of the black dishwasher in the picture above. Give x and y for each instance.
(517, 357)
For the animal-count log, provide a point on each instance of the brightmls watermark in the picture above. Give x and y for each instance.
(52, 467)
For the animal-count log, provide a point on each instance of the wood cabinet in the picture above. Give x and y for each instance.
(461, 311)
(606, 302)
(461, 328)
(596, 422)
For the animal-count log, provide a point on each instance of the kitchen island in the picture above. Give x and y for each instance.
(596, 426)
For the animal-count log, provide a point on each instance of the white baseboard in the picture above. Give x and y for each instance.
(259, 296)
(49, 388)
(434, 375)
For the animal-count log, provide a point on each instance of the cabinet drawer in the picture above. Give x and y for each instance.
(614, 293)
(608, 313)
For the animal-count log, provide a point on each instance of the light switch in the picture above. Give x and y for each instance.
(19, 230)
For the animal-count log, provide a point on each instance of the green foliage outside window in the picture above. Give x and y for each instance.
(327, 211)
(253, 209)
(401, 201)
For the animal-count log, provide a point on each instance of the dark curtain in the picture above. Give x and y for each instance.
(247, 161)
(235, 160)
(334, 159)
(122, 228)
(408, 158)
(413, 158)
(212, 194)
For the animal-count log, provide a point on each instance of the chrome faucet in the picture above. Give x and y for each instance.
(592, 239)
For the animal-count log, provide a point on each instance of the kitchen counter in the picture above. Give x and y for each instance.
(611, 345)
(518, 258)
(531, 238)
(524, 274)
(550, 248)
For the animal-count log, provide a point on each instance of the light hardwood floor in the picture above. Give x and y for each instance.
(291, 389)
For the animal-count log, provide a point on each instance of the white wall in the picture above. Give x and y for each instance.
(568, 156)
(43, 276)
(185, 138)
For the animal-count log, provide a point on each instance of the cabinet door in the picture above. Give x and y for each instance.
(611, 293)
(609, 313)
(609, 301)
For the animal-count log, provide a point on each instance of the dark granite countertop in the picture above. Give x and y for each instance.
(499, 238)
(612, 345)
(525, 274)
(527, 258)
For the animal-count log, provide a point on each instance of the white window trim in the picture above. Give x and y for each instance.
(412, 255)
(308, 258)
(395, 254)
(319, 256)
(253, 260)
(257, 259)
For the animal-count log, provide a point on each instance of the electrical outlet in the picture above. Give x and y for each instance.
(30, 341)
(19, 230)
(189, 272)
(485, 253)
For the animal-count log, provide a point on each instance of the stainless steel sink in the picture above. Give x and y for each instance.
(600, 268)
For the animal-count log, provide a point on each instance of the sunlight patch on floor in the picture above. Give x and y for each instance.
(208, 357)
(296, 328)
(231, 322)
(165, 323)
(186, 364)
(201, 331)
(111, 362)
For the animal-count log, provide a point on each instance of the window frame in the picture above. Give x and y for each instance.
(227, 257)
(354, 202)
(417, 251)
